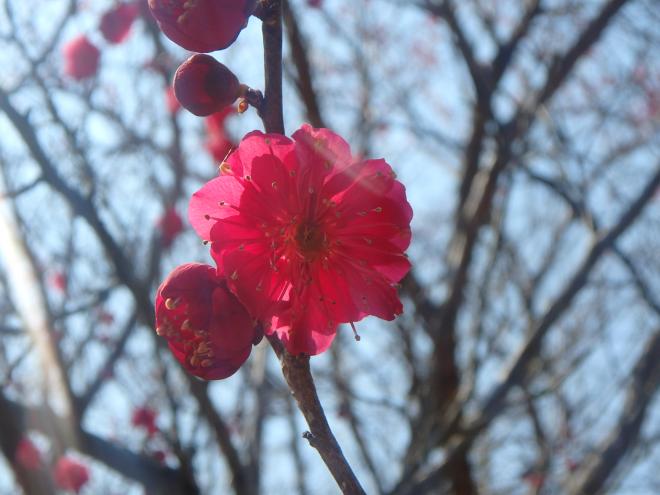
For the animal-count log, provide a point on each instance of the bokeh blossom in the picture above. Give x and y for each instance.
(170, 225)
(81, 58)
(70, 474)
(218, 143)
(27, 454)
(116, 23)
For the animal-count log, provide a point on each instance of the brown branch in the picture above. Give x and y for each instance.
(304, 82)
(271, 111)
(478, 72)
(563, 66)
(299, 378)
(475, 204)
(294, 446)
(155, 477)
(346, 404)
(124, 270)
(600, 465)
(239, 480)
(518, 371)
(296, 368)
(507, 50)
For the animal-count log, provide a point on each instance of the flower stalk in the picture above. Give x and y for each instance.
(296, 369)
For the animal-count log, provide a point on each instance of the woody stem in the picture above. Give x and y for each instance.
(296, 369)
(271, 109)
(299, 378)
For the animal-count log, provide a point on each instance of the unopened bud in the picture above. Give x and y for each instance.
(204, 86)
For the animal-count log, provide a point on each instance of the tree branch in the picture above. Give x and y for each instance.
(600, 465)
(299, 378)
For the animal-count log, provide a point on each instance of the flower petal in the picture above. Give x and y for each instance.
(217, 199)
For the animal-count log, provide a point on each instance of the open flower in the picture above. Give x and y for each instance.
(81, 58)
(202, 25)
(116, 23)
(204, 86)
(208, 330)
(69, 474)
(307, 236)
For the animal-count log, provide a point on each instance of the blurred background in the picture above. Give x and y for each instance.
(528, 356)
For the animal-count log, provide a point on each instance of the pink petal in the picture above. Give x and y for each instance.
(205, 205)
(321, 153)
(257, 144)
(372, 293)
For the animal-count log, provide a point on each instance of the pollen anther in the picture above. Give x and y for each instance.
(171, 303)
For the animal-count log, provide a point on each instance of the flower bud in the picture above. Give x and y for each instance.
(170, 225)
(69, 474)
(145, 418)
(27, 454)
(208, 330)
(202, 25)
(81, 58)
(116, 23)
(204, 86)
(218, 143)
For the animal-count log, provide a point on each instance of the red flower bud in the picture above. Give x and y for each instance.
(204, 86)
(81, 58)
(217, 142)
(170, 225)
(208, 330)
(69, 474)
(116, 23)
(202, 25)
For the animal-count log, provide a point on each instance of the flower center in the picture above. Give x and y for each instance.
(311, 239)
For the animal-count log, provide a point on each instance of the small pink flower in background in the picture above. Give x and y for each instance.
(217, 143)
(307, 236)
(204, 86)
(58, 282)
(27, 454)
(534, 478)
(170, 225)
(70, 474)
(145, 417)
(106, 317)
(202, 25)
(208, 330)
(159, 456)
(173, 105)
(81, 58)
(116, 23)
(315, 3)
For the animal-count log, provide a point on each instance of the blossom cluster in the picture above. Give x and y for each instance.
(67, 473)
(305, 236)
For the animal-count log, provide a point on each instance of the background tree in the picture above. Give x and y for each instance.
(527, 357)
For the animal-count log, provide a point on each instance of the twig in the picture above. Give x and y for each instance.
(299, 378)
(296, 368)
